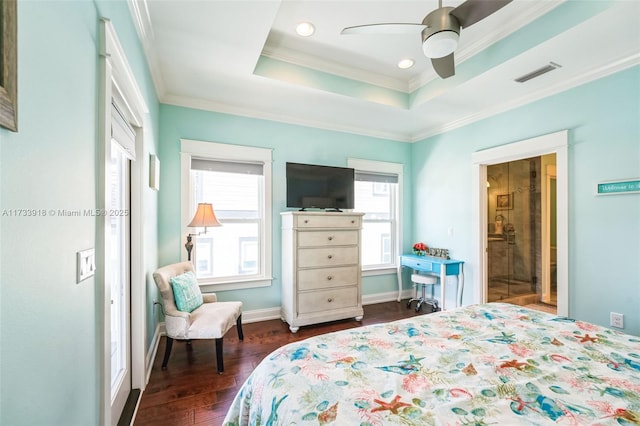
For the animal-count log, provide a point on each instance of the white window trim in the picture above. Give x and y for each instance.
(226, 152)
(391, 168)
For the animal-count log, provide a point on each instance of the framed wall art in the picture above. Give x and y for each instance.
(504, 201)
(8, 65)
(154, 172)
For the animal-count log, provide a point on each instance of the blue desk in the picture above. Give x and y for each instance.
(433, 265)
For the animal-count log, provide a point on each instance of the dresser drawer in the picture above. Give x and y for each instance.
(314, 279)
(337, 220)
(327, 256)
(326, 300)
(327, 238)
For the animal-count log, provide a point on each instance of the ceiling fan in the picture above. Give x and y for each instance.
(440, 30)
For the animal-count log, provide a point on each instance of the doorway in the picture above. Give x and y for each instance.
(551, 144)
(120, 261)
(518, 243)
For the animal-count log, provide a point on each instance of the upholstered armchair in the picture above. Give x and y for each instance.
(196, 316)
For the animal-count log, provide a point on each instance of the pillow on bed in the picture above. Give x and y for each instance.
(186, 291)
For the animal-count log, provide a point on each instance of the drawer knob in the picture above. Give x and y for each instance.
(330, 256)
(306, 221)
(330, 299)
(329, 278)
(330, 238)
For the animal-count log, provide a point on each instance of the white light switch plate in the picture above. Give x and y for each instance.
(86, 264)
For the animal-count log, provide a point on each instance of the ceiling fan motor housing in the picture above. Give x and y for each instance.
(440, 37)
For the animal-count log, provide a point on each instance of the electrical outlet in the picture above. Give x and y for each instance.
(616, 320)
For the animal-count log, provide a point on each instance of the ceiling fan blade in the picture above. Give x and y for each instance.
(384, 29)
(445, 66)
(472, 11)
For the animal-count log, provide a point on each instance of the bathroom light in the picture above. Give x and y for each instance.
(305, 29)
(440, 44)
(406, 63)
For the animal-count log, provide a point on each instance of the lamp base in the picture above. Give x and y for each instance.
(189, 247)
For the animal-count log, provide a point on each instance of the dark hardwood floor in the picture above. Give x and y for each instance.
(191, 392)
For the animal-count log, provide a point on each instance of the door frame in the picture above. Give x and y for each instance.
(549, 173)
(553, 143)
(116, 78)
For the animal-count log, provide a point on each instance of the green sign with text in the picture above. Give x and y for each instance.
(619, 187)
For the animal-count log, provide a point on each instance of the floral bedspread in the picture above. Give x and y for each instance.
(485, 364)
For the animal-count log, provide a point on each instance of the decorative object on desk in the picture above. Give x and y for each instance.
(438, 252)
(420, 249)
(504, 201)
(204, 218)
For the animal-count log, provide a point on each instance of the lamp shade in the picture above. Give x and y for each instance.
(204, 217)
(440, 44)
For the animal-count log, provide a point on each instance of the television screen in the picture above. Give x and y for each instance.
(322, 187)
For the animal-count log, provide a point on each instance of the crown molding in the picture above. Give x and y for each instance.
(621, 64)
(302, 59)
(139, 10)
(225, 108)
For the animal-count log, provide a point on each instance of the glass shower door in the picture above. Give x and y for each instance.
(514, 238)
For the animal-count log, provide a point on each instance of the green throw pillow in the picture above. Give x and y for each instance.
(186, 292)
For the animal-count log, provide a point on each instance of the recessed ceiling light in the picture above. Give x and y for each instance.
(405, 63)
(305, 29)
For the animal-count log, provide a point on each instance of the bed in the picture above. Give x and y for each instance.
(493, 363)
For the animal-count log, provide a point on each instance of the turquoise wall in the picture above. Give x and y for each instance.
(289, 143)
(603, 119)
(50, 327)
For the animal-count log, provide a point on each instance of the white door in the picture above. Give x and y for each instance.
(120, 280)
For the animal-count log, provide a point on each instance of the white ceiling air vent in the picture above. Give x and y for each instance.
(537, 73)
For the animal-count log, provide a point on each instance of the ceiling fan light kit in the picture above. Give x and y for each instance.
(440, 44)
(440, 37)
(440, 30)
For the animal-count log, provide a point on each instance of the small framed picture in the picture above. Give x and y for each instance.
(504, 201)
(154, 172)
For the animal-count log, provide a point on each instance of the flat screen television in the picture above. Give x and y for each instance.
(322, 187)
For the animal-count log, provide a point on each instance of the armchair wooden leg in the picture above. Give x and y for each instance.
(239, 327)
(167, 352)
(219, 355)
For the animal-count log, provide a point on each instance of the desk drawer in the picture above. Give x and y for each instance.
(329, 256)
(338, 220)
(420, 264)
(322, 278)
(327, 238)
(327, 300)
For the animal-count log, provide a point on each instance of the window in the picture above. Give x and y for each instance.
(237, 181)
(377, 195)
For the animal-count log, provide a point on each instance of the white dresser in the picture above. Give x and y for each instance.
(321, 279)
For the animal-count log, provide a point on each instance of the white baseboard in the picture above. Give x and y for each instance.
(372, 299)
(153, 350)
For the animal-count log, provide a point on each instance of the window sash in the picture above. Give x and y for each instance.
(211, 155)
(388, 174)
